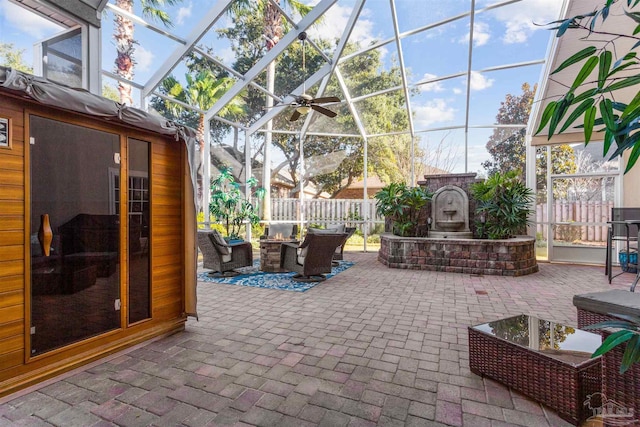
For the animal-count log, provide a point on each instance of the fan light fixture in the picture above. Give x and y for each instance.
(303, 109)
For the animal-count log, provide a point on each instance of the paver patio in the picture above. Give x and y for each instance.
(371, 346)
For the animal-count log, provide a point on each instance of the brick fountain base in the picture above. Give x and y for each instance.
(508, 257)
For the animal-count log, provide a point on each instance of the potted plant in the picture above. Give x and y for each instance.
(402, 204)
(228, 204)
(503, 205)
(628, 332)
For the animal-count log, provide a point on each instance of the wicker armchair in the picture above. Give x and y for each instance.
(312, 259)
(338, 254)
(221, 257)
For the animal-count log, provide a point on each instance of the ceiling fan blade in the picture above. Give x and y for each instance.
(323, 110)
(295, 116)
(325, 100)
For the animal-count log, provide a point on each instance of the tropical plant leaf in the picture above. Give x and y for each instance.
(559, 112)
(584, 95)
(577, 57)
(603, 69)
(589, 118)
(633, 157)
(626, 82)
(606, 111)
(546, 115)
(612, 341)
(586, 69)
(587, 103)
(631, 354)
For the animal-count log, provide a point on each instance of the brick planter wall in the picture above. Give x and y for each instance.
(509, 257)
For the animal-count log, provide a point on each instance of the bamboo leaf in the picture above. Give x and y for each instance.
(584, 95)
(606, 111)
(577, 57)
(559, 113)
(629, 81)
(633, 106)
(608, 140)
(603, 70)
(546, 115)
(587, 68)
(612, 341)
(589, 118)
(631, 354)
(587, 103)
(633, 15)
(563, 27)
(633, 157)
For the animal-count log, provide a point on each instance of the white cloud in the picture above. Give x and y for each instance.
(520, 19)
(431, 87)
(143, 58)
(457, 91)
(435, 111)
(481, 34)
(227, 56)
(183, 13)
(20, 17)
(479, 81)
(335, 20)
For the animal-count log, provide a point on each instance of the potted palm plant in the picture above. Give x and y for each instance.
(402, 204)
(503, 205)
(229, 205)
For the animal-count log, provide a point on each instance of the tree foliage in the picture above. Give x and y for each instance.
(12, 57)
(593, 103)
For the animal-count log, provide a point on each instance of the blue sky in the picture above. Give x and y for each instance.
(503, 36)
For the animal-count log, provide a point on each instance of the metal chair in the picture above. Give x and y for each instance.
(221, 257)
(620, 230)
(312, 259)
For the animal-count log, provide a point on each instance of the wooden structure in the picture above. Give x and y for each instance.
(113, 277)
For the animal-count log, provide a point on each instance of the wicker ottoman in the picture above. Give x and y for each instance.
(549, 362)
(598, 307)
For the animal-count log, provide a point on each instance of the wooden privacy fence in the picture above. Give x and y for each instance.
(326, 211)
(590, 217)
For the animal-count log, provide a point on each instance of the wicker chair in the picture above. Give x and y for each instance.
(221, 257)
(311, 260)
(338, 254)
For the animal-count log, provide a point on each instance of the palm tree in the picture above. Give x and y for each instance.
(123, 36)
(202, 91)
(273, 31)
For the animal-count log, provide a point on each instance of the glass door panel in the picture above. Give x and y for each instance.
(75, 255)
(580, 209)
(139, 232)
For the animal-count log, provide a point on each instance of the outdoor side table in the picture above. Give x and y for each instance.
(549, 362)
(270, 254)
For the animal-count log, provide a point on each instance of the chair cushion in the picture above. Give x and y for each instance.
(615, 301)
(302, 253)
(220, 243)
(227, 257)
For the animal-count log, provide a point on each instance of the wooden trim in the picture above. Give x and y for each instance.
(7, 142)
(56, 367)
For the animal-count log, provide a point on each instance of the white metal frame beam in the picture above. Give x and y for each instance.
(207, 21)
(269, 57)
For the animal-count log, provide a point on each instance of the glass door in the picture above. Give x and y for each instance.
(579, 208)
(75, 238)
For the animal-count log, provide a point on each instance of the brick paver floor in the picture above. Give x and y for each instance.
(371, 346)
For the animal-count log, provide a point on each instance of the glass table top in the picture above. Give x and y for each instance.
(565, 343)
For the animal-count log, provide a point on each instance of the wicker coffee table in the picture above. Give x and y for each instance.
(547, 361)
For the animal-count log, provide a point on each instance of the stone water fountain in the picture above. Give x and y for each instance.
(450, 246)
(450, 211)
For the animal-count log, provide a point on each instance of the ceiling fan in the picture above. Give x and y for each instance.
(305, 103)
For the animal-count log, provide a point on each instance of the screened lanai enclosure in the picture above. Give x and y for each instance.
(323, 102)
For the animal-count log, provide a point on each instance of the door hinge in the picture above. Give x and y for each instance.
(116, 304)
(32, 140)
(33, 330)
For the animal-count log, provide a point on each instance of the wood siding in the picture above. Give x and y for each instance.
(17, 368)
(12, 238)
